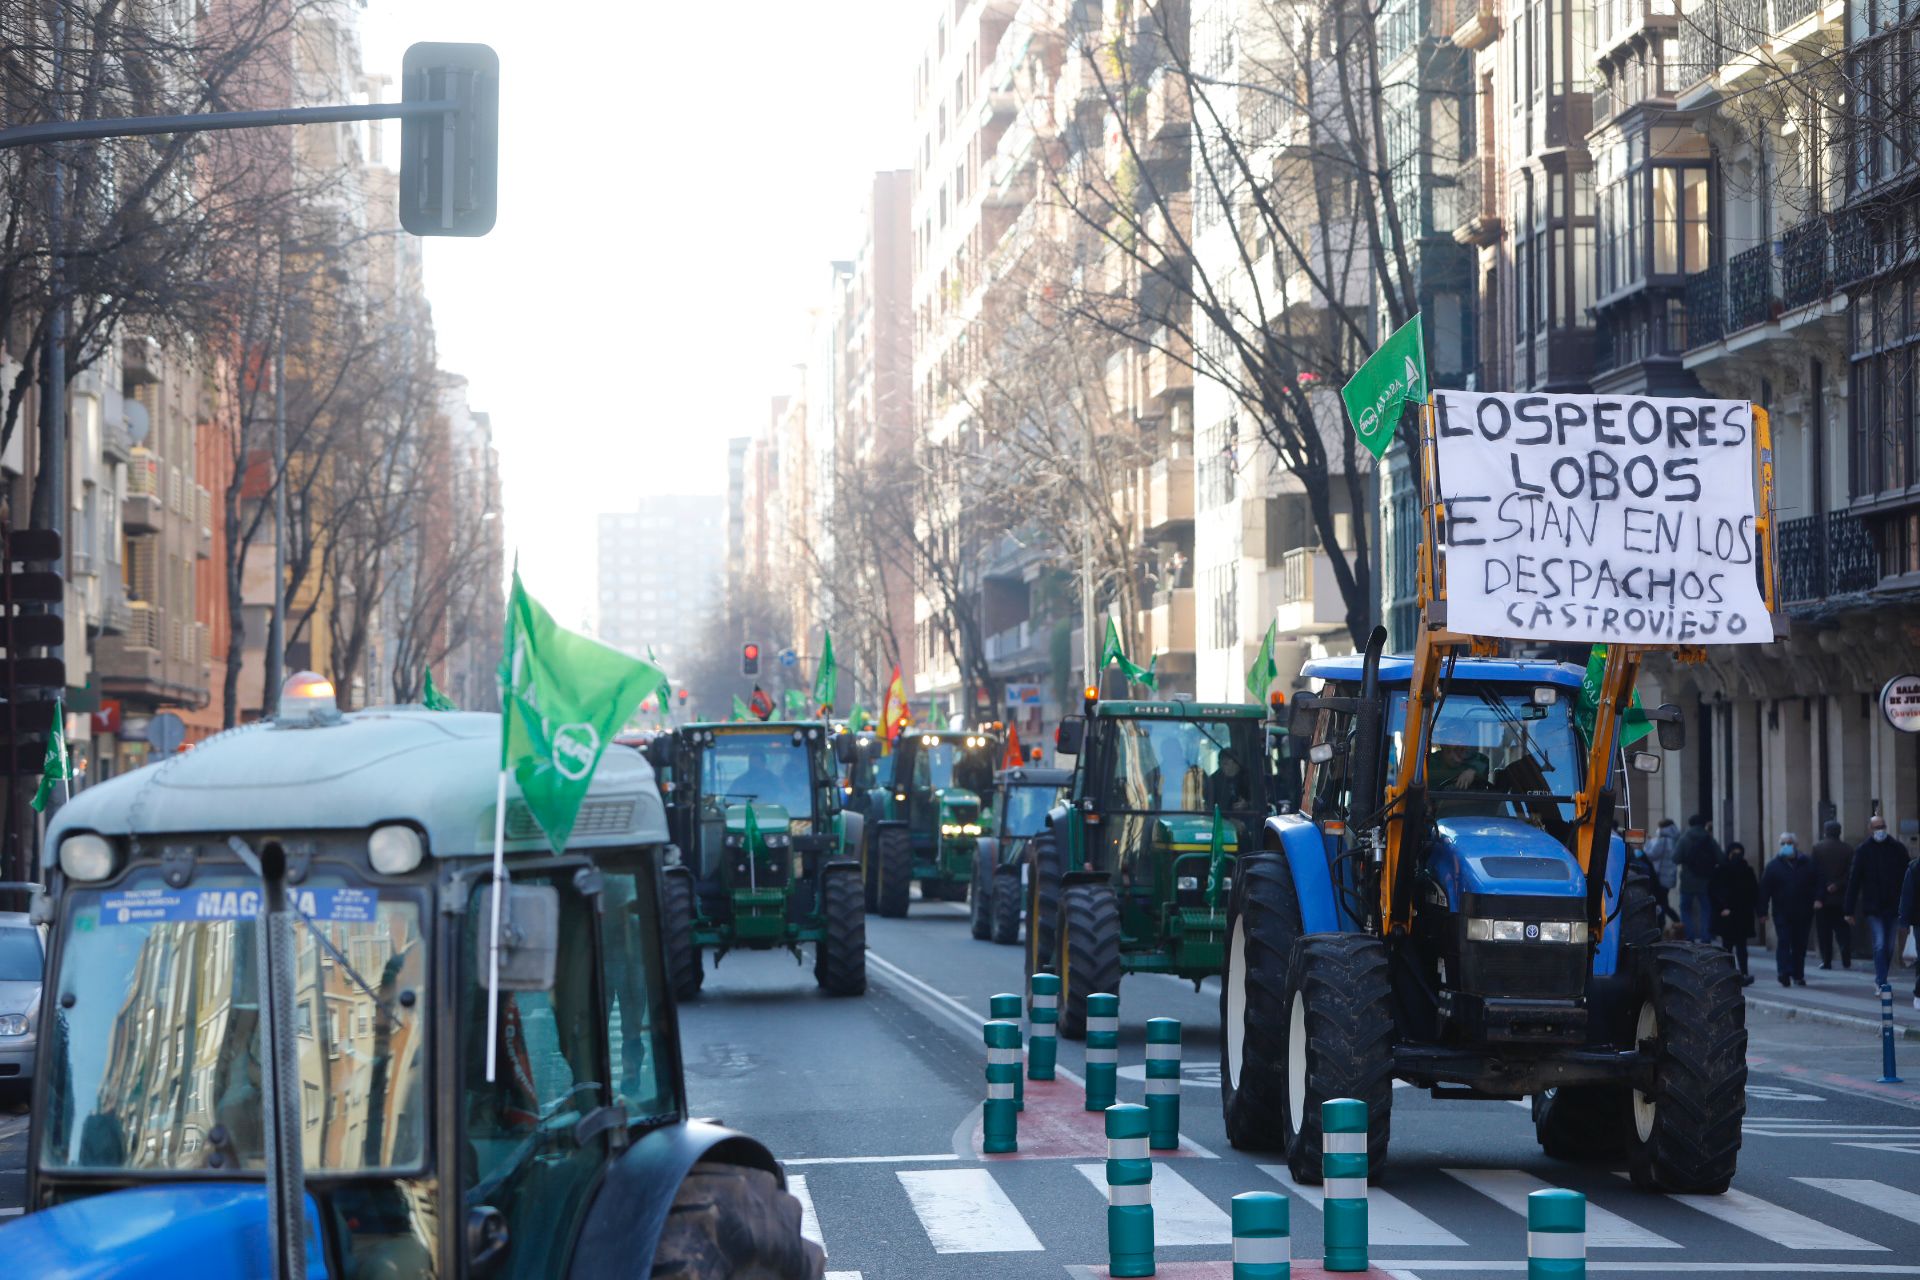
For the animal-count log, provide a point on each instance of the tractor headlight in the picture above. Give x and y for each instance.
(777, 842)
(1509, 931)
(1186, 884)
(395, 849)
(970, 829)
(1555, 931)
(736, 842)
(949, 828)
(86, 857)
(1562, 931)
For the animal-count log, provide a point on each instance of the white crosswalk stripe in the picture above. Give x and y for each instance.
(1904, 1205)
(1509, 1189)
(809, 1220)
(965, 1211)
(1391, 1222)
(1783, 1227)
(1181, 1213)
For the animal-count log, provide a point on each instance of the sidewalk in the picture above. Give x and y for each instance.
(1837, 997)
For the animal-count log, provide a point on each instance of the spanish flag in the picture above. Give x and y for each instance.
(894, 717)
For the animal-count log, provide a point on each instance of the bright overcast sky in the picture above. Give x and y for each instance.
(674, 179)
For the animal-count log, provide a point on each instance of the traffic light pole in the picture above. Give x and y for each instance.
(49, 131)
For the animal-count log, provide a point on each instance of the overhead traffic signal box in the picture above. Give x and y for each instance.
(450, 160)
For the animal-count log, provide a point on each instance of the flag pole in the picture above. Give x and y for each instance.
(493, 948)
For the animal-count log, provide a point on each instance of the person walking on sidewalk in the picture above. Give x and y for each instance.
(1788, 886)
(1698, 853)
(1910, 914)
(1873, 891)
(1661, 852)
(1734, 892)
(1833, 860)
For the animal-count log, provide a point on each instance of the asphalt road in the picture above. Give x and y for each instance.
(873, 1104)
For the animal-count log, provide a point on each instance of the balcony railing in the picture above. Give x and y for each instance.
(1715, 32)
(1750, 288)
(1823, 556)
(1706, 306)
(1805, 273)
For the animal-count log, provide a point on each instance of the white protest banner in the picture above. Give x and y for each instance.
(1609, 519)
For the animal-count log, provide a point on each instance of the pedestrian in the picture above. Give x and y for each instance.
(1661, 851)
(1832, 860)
(1697, 853)
(1873, 891)
(1788, 886)
(1910, 914)
(1638, 865)
(1734, 892)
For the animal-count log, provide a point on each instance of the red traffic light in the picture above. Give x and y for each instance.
(683, 695)
(751, 651)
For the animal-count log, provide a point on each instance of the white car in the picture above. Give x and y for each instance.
(22, 965)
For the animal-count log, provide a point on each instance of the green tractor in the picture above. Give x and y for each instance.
(765, 854)
(928, 812)
(1119, 882)
(1027, 794)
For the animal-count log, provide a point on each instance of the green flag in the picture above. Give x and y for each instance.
(1396, 372)
(1217, 862)
(741, 711)
(826, 677)
(1634, 725)
(666, 689)
(1114, 653)
(55, 768)
(859, 718)
(565, 697)
(796, 700)
(752, 836)
(1264, 671)
(432, 699)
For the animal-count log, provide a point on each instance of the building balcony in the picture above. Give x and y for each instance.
(1169, 495)
(1806, 264)
(1477, 190)
(1307, 598)
(203, 508)
(1009, 179)
(139, 361)
(1706, 306)
(135, 656)
(1727, 44)
(1168, 233)
(144, 509)
(1169, 371)
(1170, 622)
(1479, 25)
(1822, 556)
(1169, 110)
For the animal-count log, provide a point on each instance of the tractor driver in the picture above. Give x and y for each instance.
(1456, 766)
(1226, 785)
(759, 781)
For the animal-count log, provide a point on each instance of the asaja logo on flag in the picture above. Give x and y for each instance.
(575, 748)
(1394, 374)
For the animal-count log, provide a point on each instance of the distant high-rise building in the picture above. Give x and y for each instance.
(660, 574)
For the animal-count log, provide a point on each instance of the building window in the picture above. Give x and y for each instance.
(1223, 587)
(1885, 349)
(1218, 464)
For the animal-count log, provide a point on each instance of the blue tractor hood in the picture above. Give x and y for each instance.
(208, 1230)
(1476, 855)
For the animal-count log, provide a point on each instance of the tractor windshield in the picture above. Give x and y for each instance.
(1179, 765)
(1495, 752)
(1027, 809)
(767, 768)
(157, 1042)
(941, 764)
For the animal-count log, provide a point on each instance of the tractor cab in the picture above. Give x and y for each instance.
(270, 968)
(931, 808)
(764, 851)
(1027, 797)
(1163, 796)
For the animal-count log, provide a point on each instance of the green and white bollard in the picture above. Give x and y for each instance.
(1343, 1170)
(1163, 1083)
(1000, 1119)
(1103, 1051)
(1045, 1016)
(1556, 1235)
(1007, 1008)
(1262, 1243)
(1129, 1192)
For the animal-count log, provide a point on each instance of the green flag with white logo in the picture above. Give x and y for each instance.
(1397, 372)
(1264, 671)
(55, 769)
(1634, 724)
(1115, 653)
(796, 700)
(432, 699)
(564, 697)
(826, 677)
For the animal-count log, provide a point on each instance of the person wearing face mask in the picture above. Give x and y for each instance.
(1734, 891)
(1790, 885)
(1873, 891)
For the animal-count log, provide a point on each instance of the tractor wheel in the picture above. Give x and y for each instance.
(1263, 920)
(980, 901)
(1639, 913)
(840, 958)
(1043, 902)
(732, 1221)
(1339, 1021)
(1004, 913)
(895, 858)
(1686, 1134)
(684, 970)
(1584, 1121)
(1089, 952)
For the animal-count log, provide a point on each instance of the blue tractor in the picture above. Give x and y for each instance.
(277, 1045)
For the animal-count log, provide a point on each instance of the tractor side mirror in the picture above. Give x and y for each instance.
(1301, 725)
(1672, 724)
(844, 749)
(1068, 738)
(660, 752)
(529, 935)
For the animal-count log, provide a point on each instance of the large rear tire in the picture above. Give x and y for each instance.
(1004, 913)
(895, 856)
(840, 958)
(729, 1222)
(1089, 952)
(1263, 920)
(980, 901)
(684, 970)
(1686, 1133)
(1339, 1044)
(1043, 903)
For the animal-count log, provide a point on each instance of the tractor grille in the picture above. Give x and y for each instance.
(1523, 970)
(596, 818)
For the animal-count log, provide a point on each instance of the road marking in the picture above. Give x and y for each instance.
(1391, 1221)
(965, 1211)
(1852, 1270)
(809, 1220)
(1509, 1189)
(1181, 1214)
(1904, 1205)
(1783, 1227)
(1833, 1131)
(843, 1275)
(926, 1159)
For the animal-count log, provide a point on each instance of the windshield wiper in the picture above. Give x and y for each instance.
(340, 959)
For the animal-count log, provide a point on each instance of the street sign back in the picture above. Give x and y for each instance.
(33, 544)
(29, 630)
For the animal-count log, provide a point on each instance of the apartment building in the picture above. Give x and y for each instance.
(659, 574)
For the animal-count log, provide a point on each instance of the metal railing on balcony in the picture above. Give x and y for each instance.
(146, 623)
(1852, 250)
(1706, 306)
(1296, 576)
(1805, 273)
(1714, 33)
(1750, 290)
(1822, 556)
(143, 475)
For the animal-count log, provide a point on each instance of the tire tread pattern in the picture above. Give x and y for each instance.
(1702, 1071)
(895, 857)
(1091, 946)
(1344, 979)
(730, 1222)
(685, 970)
(840, 958)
